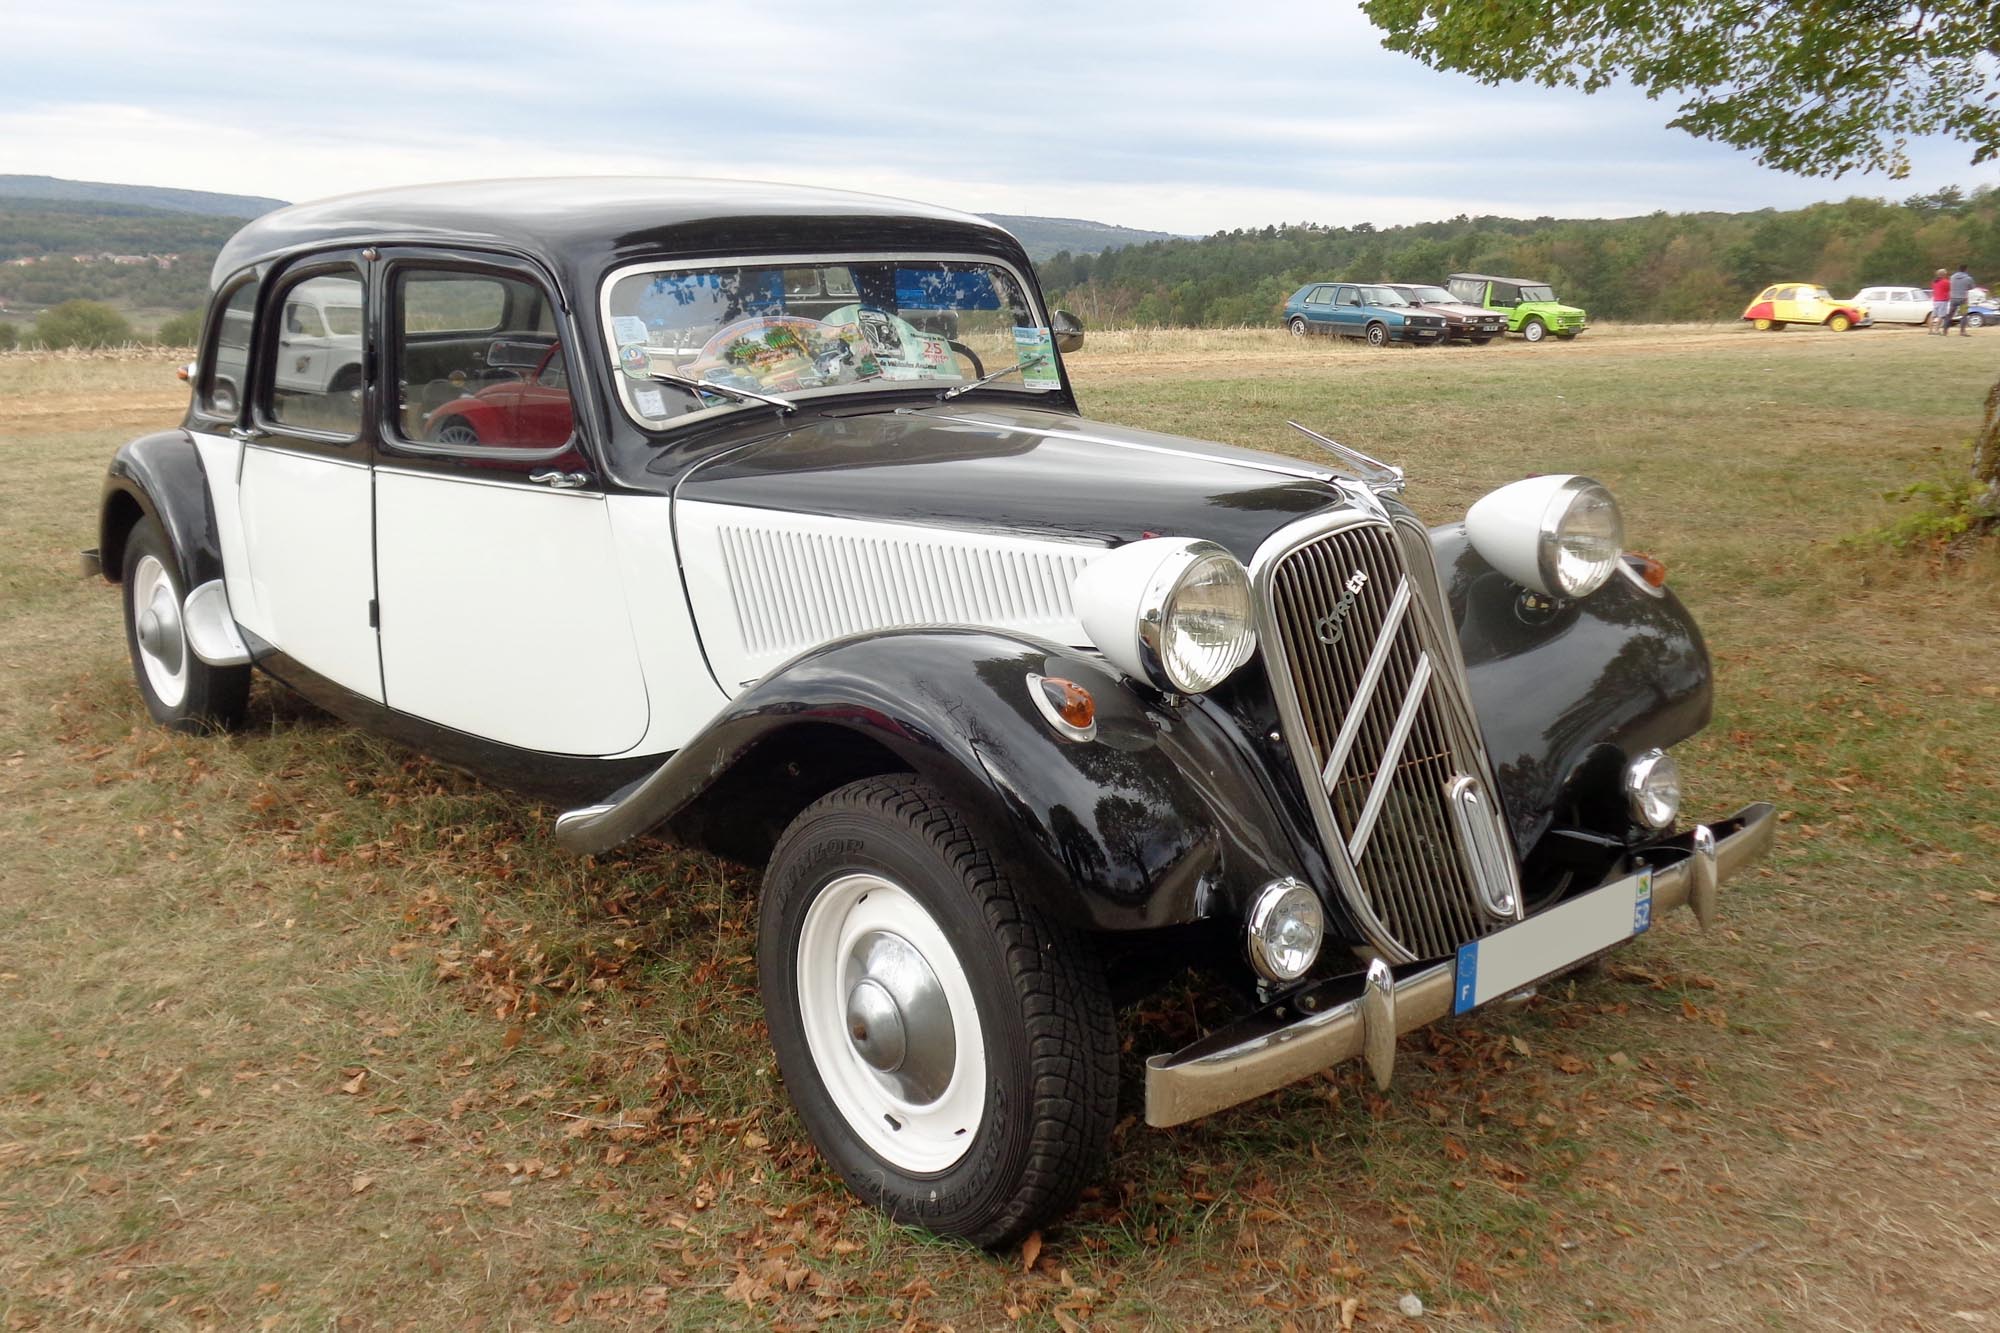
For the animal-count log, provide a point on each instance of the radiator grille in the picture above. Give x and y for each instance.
(794, 589)
(1388, 734)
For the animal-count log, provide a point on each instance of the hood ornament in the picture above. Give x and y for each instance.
(1378, 476)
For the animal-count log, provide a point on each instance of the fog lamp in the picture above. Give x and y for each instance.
(1284, 930)
(1653, 789)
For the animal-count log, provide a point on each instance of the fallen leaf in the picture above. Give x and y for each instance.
(360, 1184)
(498, 1198)
(355, 1084)
(1031, 1250)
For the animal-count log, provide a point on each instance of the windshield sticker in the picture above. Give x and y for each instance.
(1039, 346)
(635, 362)
(628, 329)
(879, 327)
(650, 402)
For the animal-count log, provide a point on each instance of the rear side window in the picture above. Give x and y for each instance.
(316, 356)
(225, 369)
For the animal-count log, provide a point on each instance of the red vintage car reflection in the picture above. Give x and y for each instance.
(529, 412)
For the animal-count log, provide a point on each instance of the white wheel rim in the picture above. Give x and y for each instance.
(855, 961)
(1533, 333)
(156, 625)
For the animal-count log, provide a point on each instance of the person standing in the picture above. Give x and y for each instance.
(1941, 303)
(1961, 287)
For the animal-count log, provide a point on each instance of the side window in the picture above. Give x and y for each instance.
(225, 369)
(1506, 294)
(316, 356)
(479, 362)
(1321, 295)
(1347, 296)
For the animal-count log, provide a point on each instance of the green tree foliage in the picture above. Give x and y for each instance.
(10, 337)
(82, 324)
(1817, 87)
(1679, 266)
(179, 330)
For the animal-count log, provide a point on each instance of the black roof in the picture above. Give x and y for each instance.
(581, 226)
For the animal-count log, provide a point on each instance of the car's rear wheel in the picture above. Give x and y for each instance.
(950, 1049)
(1838, 322)
(181, 691)
(455, 431)
(1298, 326)
(1973, 320)
(1534, 330)
(1377, 336)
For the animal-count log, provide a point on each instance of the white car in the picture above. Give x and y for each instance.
(1896, 305)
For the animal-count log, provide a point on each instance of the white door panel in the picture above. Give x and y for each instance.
(307, 539)
(766, 585)
(683, 694)
(503, 614)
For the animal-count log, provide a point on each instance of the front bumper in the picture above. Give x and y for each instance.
(1329, 1023)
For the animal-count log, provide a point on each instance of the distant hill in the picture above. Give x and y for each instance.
(1045, 238)
(54, 188)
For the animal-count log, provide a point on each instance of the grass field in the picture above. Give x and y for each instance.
(299, 1030)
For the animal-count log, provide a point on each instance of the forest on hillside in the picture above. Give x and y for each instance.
(53, 231)
(1662, 267)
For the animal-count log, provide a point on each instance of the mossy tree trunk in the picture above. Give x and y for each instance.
(1986, 463)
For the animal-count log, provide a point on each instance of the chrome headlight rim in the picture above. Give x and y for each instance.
(1156, 610)
(1272, 961)
(1561, 506)
(1653, 790)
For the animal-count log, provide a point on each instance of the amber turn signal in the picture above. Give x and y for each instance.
(1066, 704)
(1649, 568)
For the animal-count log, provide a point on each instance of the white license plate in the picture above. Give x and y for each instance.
(1509, 959)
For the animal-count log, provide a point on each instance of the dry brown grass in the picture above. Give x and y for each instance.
(299, 1030)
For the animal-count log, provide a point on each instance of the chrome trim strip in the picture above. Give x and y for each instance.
(1282, 466)
(1484, 842)
(1364, 690)
(1388, 766)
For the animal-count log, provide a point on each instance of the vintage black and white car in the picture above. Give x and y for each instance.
(765, 519)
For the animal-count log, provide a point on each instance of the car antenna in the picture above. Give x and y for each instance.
(1377, 474)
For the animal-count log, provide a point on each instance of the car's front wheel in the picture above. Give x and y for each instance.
(1534, 330)
(950, 1049)
(1298, 326)
(1377, 336)
(1839, 323)
(1974, 320)
(181, 691)
(455, 431)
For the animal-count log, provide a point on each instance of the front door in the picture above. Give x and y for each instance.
(1350, 318)
(503, 610)
(302, 490)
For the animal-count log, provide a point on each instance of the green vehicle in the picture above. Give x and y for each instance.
(1532, 308)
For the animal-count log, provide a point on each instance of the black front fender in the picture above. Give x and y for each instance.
(1566, 691)
(160, 476)
(1160, 820)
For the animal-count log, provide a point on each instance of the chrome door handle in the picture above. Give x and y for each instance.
(247, 434)
(559, 480)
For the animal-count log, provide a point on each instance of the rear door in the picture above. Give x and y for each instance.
(503, 611)
(302, 485)
(1319, 308)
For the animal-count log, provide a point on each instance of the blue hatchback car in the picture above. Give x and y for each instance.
(1381, 315)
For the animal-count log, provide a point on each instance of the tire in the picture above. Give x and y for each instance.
(1838, 322)
(987, 1139)
(181, 691)
(1534, 330)
(1298, 326)
(455, 431)
(1761, 325)
(1377, 336)
(1974, 320)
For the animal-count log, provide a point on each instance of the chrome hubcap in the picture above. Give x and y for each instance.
(898, 1020)
(160, 629)
(156, 624)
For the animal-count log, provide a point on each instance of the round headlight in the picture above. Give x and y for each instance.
(1558, 535)
(1284, 930)
(1653, 789)
(1172, 610)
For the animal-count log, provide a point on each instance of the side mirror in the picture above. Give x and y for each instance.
(1068, 331)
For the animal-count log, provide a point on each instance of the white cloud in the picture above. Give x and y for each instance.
(1160, 115)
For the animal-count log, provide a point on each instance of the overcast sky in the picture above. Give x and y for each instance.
(1181, 117)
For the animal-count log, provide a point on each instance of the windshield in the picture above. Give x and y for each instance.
(1538, 292)
(802, 328)
(1421, 295)
(1382, 296)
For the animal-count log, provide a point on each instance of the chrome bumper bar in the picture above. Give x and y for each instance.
(1238, 1063)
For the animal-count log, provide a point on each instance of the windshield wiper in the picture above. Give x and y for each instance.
(727, 390)
(1028, 364)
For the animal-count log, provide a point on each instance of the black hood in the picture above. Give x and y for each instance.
(1014, 470)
